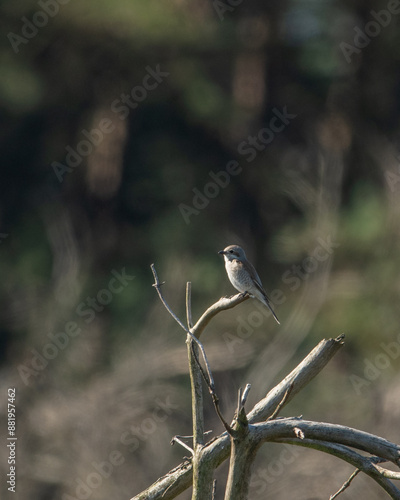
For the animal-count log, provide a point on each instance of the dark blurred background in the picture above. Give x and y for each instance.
(140, 132)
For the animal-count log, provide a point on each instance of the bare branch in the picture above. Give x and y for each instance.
(345, 485)
(223, 304)
(390, 474)
(243, 452)
(340, 434)
(176, 439)
(191, 437)
(245, 394)
(364, 464)
(157, 286)
(298, 378)
(169, 486)
(202, 472)
(249, 432)
(215, 400)
(189, 305)
(210, 384)
(282, 403)
(195, 372)
(217, 450)
(239, 404)
(214, 491)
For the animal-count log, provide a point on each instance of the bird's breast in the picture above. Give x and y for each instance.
(238, 276)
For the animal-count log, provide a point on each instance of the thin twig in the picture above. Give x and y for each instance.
(239, 405)
(166, 491)
(203, 352)
(346, 484)
(191, 437)
(157, 286)
(245, 394)
(208, 380)
(211, 389)
(175, 439)
(242, 398)
(215, 399)
(376, 460)
(189, 305)
(214, 490)
(342, 451)
(281, 403)
(389, 474)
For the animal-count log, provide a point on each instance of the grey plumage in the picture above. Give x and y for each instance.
(243, 275)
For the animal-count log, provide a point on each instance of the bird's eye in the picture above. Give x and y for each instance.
(230, 251)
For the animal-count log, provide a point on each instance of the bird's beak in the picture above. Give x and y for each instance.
(222, 252)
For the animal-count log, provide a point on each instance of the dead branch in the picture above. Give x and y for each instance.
(345, 485)
(334, 433)
(297, 379)
(157, 285)
(243, 452)
(281, 404)
(362, 463)
(217, 450)
(223, 304)
(249, 432)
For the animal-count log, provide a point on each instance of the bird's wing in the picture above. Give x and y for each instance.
(257, 281)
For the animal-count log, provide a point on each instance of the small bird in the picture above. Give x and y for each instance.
(243, 276)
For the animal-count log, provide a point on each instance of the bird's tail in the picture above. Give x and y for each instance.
(267, 303)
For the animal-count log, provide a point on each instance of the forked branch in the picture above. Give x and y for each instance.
(217, 450)
(157, 285)
(260, 425)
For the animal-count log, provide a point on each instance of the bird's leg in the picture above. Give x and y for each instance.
(242, 294)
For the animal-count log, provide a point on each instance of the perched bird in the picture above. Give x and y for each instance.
(243, 276)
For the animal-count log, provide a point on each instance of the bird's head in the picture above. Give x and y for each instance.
(233, 252)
